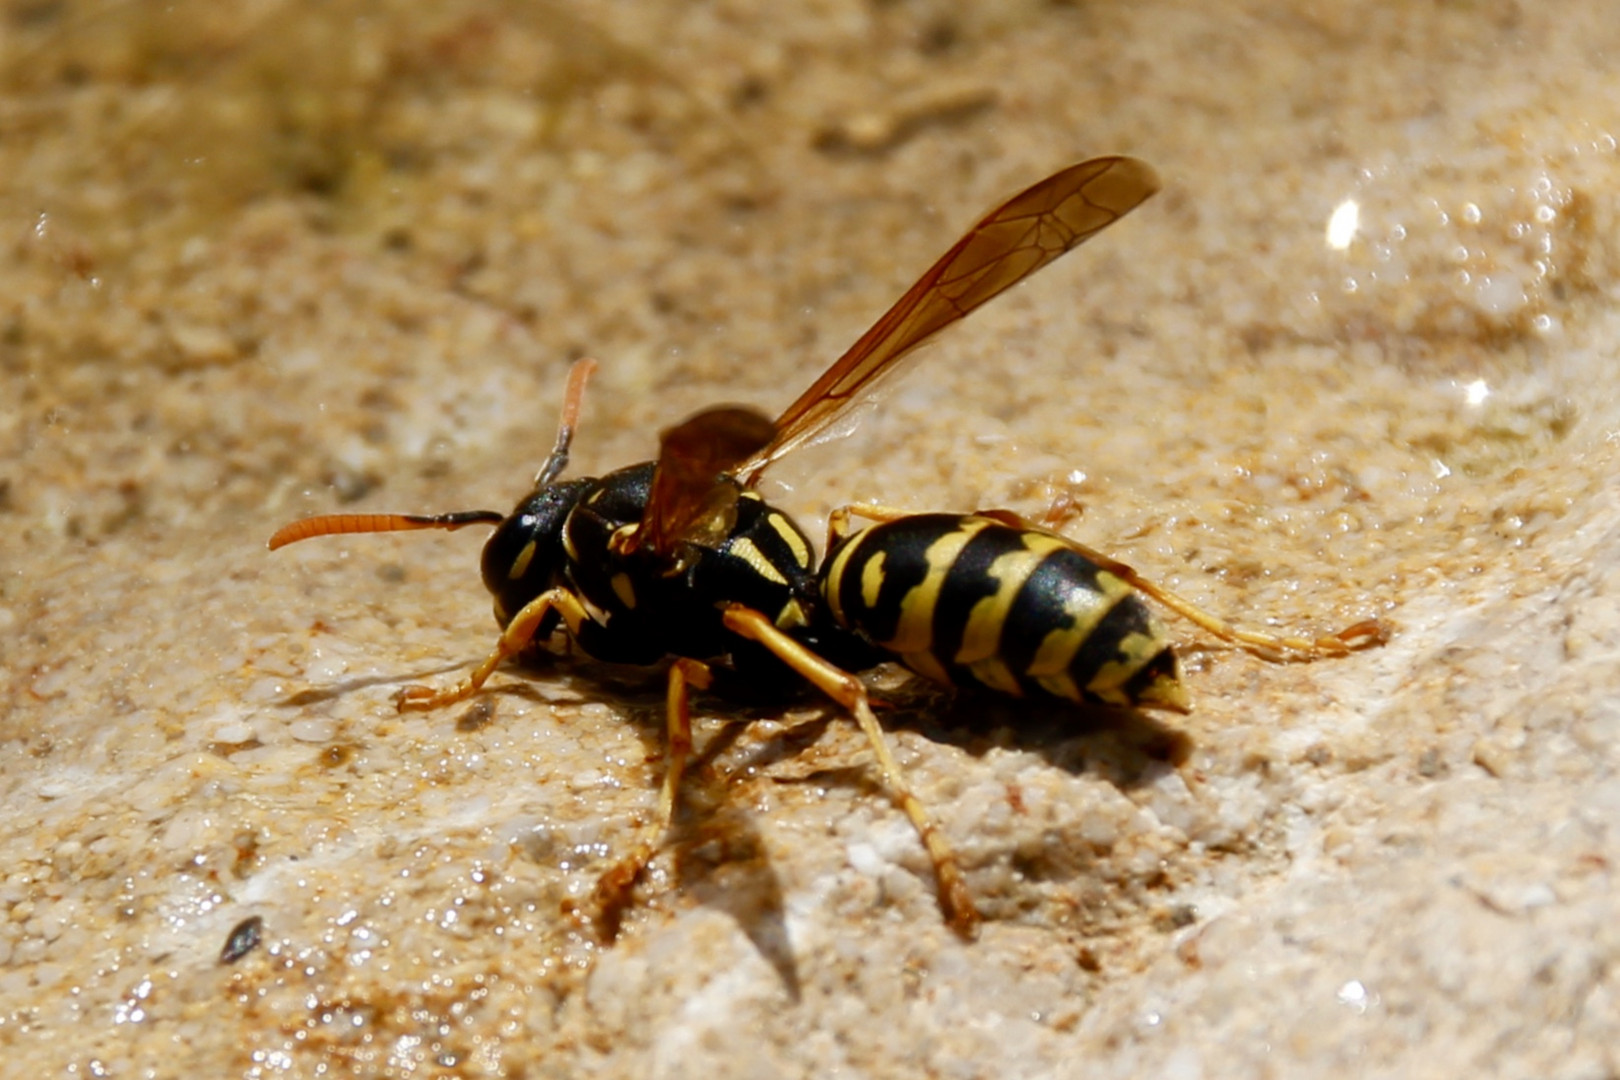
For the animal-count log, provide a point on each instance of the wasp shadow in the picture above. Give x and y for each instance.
(721, 858)
(723, 862)
(561, 668)
(1125, 746)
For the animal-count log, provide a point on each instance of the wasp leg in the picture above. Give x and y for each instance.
(1277, 648)
(613, 888)
(1063, 509)
(848, 691)
(514, 639)
(838, 521)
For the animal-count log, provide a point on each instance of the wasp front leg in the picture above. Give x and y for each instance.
(849, 692)
(517, 636)
(613, 888)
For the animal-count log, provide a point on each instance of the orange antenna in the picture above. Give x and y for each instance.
(334, 524)
(337, 524)
(573, 399)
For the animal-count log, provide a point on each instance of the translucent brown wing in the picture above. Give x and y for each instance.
(690, 500)
(1013, 241)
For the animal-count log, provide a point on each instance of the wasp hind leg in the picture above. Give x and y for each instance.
(1277, 648)
(849, 692)
(517, 636)
(838, 526)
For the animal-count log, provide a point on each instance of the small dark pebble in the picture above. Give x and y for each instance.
(244, 939)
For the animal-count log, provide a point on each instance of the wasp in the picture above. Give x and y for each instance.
(681, 560)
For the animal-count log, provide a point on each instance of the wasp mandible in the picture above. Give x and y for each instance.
(680, 559)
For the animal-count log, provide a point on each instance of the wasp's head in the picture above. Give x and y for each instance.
(526, 555)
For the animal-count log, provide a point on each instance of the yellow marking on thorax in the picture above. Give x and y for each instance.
(791, 537)
(624, 589)
(749, 552)
(791, 616)
(520, 565)
(914, 631)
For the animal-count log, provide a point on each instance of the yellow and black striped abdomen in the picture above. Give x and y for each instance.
(970, 601)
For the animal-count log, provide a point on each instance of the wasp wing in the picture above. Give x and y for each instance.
(692, 500)
(1013, 241)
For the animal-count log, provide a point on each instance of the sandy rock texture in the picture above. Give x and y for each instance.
(283, 258)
